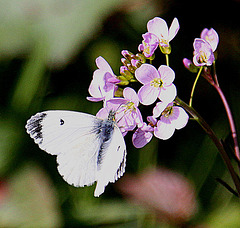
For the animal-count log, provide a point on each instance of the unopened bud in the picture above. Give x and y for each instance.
(123, 80)
(190, 66)
(166, 50)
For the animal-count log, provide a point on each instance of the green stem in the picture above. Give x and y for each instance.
(194, 85)
(215, 140)
(167, 59)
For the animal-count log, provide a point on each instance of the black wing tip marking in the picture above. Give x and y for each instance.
(34, 127)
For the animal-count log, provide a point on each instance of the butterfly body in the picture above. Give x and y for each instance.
(88, 149)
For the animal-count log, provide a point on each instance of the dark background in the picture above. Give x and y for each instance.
(47, 58)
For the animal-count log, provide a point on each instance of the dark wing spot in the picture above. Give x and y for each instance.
(61, 121)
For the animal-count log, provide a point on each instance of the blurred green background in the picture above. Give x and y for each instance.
(47, 56)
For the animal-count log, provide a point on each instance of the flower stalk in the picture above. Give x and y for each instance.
(194, 85)
(167, 59)
(230, 119)
(215, 140)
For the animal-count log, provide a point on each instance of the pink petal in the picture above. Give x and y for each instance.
(211, 37)
(182, 119)
(94, 99)
(173, 29)
(167, 74)
(131, 95)
(102, 113)
(159, 108)
(138, 118)
(141, 138)
(96, 82)
(164, 130)
(103, 65)
(148, 94)
(158, 27)
(146, 73)
(168, 94)
(115, 103)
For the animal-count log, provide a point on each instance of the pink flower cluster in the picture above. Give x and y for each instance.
(156, 86)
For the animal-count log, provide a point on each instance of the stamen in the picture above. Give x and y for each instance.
(156, 82)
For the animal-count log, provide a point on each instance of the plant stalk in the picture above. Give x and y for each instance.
(230, 119)
(215, 140)
(194, 85)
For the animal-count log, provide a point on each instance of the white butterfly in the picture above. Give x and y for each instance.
(88, 149)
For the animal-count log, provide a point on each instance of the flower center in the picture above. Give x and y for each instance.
(203, 58)
(130, 106)
(156, 82)
(127, 108)
(167, 112)
(163, 43)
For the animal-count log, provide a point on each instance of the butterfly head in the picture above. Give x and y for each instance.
(111, 115)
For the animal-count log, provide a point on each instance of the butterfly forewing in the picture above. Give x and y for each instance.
(71, 136)
(55, 131)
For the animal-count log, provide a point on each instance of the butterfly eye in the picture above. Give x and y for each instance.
(61, 121)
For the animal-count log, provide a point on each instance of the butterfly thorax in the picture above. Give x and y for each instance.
(107, 128)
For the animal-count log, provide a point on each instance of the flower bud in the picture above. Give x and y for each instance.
(165, 50)
(190, 66)
(124, 80)
(119, 92)
(125, 61)
(127, 54)
(124, 71)
(141, 58)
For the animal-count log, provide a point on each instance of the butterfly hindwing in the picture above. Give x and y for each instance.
(113, 162)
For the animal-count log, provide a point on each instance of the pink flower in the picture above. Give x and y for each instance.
(156, 84)
(149, 44)
(103, 84)
(171, 117)
(203, 53)
(159, 28)
(143, 134)
(211, 36)
(127, 116)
